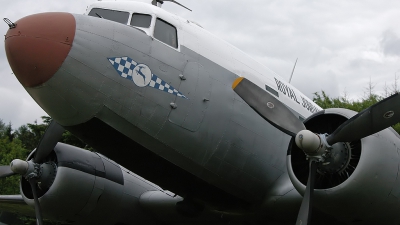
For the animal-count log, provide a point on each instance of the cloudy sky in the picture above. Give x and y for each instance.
(341, 45)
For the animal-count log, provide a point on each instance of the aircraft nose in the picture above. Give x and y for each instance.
(38, 45)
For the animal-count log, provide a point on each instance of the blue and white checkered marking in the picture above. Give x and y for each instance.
(124, 66)
(164, 86)
(127, 68)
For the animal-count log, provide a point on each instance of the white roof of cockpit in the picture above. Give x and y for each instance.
(141, 6)
(127, 6)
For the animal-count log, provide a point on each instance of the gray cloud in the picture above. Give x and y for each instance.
(390, 43)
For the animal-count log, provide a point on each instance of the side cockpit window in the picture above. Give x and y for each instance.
(166, 33)
(140, 20)
(117, 16)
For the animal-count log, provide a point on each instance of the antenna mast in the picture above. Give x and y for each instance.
(159, 3)
(291, 76)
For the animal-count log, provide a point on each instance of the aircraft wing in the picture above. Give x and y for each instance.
(15, 204)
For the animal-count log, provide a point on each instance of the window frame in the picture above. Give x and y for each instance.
(171, 24)
(146, 14)
(115, 10)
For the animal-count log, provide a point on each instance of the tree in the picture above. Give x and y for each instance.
(31, 134)
(10, 149)
(27, 137)
(19, 143)
(6, 130)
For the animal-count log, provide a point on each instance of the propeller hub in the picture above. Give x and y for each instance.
(35, 171)
(309, 142)
(19, 166)
(28, 169)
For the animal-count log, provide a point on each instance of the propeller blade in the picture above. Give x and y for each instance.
(38, 212)
(267, 106)
(369, 121)
(5, 171)
(304, 215)
(49, 140)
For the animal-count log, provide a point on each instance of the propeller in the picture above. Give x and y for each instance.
(50, 138)
(369, 121)
(32, 170)
(316, 146)
(268, 107)
(5, 171)
(38, 211)
(304, 215)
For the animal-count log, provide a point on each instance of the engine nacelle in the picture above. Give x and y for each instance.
(88, 187)
(363, 183)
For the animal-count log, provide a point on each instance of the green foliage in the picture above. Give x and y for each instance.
(31, 134)
(396, 127)
(325, 102)
(19, 143)
(10, 149)
(6, 130)
(26, 136)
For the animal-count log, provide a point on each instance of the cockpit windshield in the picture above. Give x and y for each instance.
(108, 14)
(166, 33)
(141, 20)
(160, 30)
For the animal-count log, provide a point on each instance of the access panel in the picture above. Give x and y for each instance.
(196, 87)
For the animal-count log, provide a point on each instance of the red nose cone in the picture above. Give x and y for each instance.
(38, 46)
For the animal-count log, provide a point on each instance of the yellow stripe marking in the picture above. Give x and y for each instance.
(236, 82)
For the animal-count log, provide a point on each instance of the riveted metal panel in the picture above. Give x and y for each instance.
(196, 86)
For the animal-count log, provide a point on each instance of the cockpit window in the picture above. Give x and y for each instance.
(166, 33)
(140, 20)
(117, 16)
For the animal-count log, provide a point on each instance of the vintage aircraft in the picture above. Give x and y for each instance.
(198, 131)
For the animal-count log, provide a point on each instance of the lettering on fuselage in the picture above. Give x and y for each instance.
(310, 107)
(286, 90)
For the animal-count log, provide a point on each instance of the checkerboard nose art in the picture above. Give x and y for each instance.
(141, 75)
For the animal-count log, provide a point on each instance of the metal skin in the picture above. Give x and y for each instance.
(87, 86)
(78, 196)
(211, 148)
(231, 155)
(370, 195)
